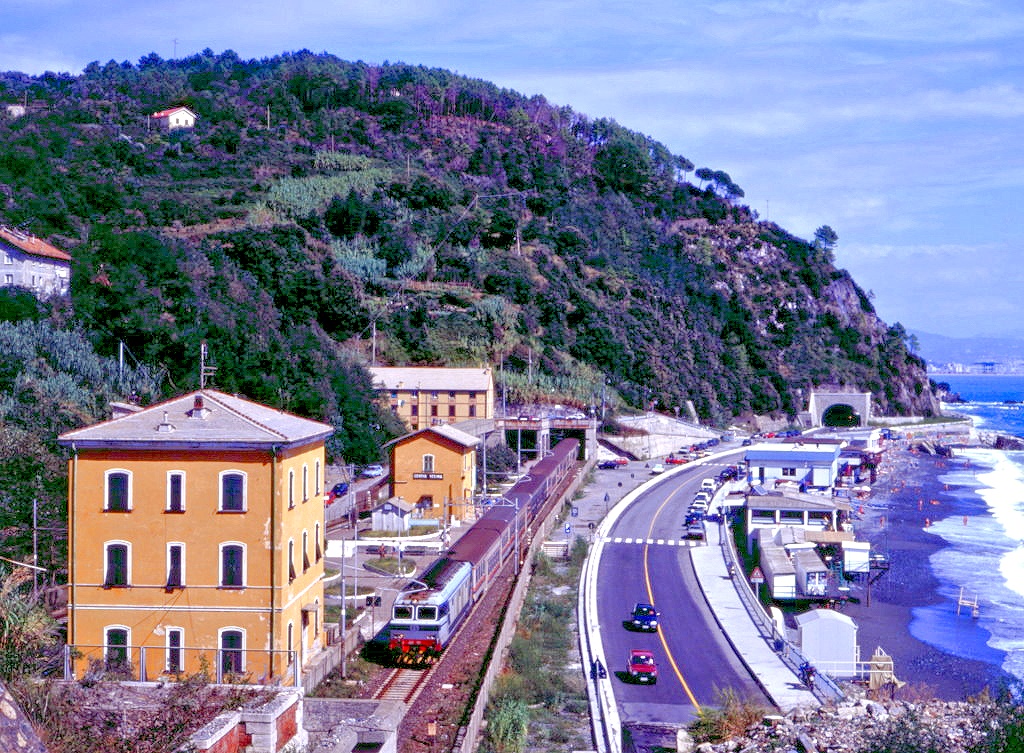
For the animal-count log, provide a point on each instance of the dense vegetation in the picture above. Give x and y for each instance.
(324, 213)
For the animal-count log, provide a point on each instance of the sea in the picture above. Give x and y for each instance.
(983, 559)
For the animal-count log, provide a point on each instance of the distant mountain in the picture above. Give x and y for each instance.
(940, 350)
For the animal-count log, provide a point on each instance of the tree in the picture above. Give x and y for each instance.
(27, 632)
(825, 240)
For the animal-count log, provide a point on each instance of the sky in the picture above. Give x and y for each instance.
(898, 123)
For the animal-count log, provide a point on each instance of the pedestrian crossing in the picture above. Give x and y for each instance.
(653, 542)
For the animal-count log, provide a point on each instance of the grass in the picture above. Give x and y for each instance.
(543, 678)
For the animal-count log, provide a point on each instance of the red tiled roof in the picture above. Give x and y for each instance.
(32, 245)
(171, 111)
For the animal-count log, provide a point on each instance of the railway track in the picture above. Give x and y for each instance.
(402, 685)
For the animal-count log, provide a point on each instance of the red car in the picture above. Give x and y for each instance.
(673, 460)
(641, 667)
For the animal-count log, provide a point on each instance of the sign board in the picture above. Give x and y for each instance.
(568, 529)
(756, 576)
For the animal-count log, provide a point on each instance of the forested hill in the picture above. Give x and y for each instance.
(317, 202)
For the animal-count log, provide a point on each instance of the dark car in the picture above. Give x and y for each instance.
(644, 617)
(337, 491)
(608, 464)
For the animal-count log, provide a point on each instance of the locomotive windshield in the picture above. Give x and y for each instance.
(426, 613)
(401, 612)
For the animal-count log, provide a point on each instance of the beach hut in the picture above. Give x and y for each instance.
(779, 575)
(811, 573)
(856, 557)
(828, 639)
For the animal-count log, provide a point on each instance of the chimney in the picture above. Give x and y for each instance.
(199, 409)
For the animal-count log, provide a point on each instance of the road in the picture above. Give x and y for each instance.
(646, 559)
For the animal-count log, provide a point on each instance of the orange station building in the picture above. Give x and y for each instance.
(434, 469)
(196, 540)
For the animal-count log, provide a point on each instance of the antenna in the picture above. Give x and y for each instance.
(204, 370)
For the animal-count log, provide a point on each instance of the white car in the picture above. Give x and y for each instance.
(373, 471)
(657, 468)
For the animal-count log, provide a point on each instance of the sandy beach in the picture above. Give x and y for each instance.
(893, 520)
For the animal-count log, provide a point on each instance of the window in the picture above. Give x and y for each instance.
(414, 410)
(428, 463)
(472, 411)
(472, 396)
(175, 641)
(451, 411)
(232, 650)
(115, 648)
(232, 492)
(118, 492)
(426, 613)
(319, 550)
(305, 551)
(175, 491)
(232, 566)
(305, 483)
(291, 489)
(401, 612)
(433, 410)
(451, 395)
(789, 471)
(175, 566)
(316, 478)
(291, 560)
(433, 395)
(116, 571)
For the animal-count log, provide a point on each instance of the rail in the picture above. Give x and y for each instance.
(825, 688)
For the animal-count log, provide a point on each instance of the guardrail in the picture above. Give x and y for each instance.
(825, 687)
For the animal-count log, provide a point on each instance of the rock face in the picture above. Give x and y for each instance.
(16, 732)
(857, 726)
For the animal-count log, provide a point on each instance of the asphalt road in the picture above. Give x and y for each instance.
(647, 559)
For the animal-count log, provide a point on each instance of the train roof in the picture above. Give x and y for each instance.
(527, 486)
(475, 543)
(440, 572)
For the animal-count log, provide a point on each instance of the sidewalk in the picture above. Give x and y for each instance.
(764, 663)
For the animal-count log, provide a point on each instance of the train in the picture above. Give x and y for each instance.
(427, 614)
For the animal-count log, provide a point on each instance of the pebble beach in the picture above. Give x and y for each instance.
(906, 499)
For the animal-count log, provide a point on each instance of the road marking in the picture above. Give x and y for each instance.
(650, 599)
(652, 542)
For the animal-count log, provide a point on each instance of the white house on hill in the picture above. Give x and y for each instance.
(174, 117)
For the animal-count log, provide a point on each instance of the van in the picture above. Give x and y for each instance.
(708, 485)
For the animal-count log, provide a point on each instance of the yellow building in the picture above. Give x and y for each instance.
(196, 540)
(424, 397)
(434, 469)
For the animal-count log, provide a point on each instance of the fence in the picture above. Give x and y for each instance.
(825, 686)
(152, 663)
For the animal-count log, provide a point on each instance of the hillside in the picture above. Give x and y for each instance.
(324, 212)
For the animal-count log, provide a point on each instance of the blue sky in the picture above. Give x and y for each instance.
(896, 122)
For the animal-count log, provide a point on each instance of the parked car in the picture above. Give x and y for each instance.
(675, 460)
(695, 530)
(373, 471)
(708, 485)
(643, 617)
(608, 465)
(657, 468)
(338, 491)
(640, 666)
